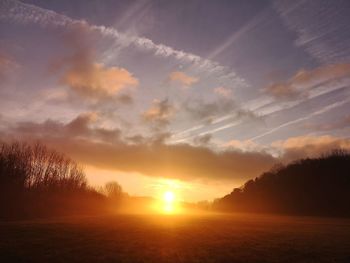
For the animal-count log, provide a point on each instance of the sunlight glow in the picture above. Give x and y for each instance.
(169, 203)
(169, 197)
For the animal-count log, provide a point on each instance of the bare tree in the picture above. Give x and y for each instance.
(113, 190)
(35, 176)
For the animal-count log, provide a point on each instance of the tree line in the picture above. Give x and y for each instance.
(319, 186)
(37, 181)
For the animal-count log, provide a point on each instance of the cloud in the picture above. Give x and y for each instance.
(339, 124)
(281, 90)
(125, 99)
(30, 14)
(209, 111)
(203, 140)
(222, 91)
(7, 65)
(86, 77)
(321, 111)
(294, 148)
(200, 110)
(310, 146)
(304, 80)
(79, 127)
(84, 141)
(322, 32)
(266, 106)
(97, 80)
(323, 73)
(159, 114)
(180, 161)
(182, 78)
(210, 114)
(245, 146)
(252, 24)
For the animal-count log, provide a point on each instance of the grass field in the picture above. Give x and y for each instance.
(169, 238)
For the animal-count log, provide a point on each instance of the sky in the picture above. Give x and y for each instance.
(193, 96)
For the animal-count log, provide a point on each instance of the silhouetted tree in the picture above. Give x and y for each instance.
(36, 180)
(113, 190)
(319, 186)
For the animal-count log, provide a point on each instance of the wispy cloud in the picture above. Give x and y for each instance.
(334, 125)
(304, 80)
(253, 23)
(19, 12)
(322, 28)
(309, 116)
(304, 85)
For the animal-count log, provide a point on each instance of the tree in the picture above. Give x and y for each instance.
(113, 190)
(36, 180)
(319, 186)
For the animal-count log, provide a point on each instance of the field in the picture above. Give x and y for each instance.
(169, 238)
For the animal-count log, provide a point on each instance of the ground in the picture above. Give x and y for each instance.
(180, 238)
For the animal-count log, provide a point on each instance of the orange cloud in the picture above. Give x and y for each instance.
(180, 161)
(93, 146)
(7, 64)
(159, 113)
(294, 148)
(96, 79)
(108, 149)
(303, 80)
(86, 77)
(182, 78)
(310, 146)
(322, 73)
(224, 92)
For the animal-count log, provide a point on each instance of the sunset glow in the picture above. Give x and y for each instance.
(169, 197)
(169, 203)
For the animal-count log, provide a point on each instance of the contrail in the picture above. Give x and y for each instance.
(264, 107)
(319, 112)
(22, 13)
(236, 35)
(316, 25)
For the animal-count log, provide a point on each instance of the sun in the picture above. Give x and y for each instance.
(169, 197)
(169, 204)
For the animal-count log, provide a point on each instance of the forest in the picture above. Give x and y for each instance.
(318, 186)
